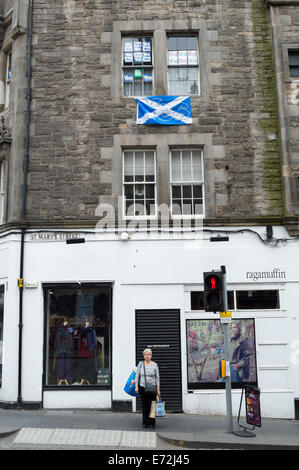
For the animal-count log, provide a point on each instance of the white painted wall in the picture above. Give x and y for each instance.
(153, 274)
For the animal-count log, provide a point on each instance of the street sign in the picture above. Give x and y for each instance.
(225, 317)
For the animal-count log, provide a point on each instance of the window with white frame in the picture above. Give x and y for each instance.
(3, 171)
(137, 62)
(7, 79)
(139, 183)
(183, 65)
(187, 198)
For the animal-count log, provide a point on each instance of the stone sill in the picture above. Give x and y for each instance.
(281, 2)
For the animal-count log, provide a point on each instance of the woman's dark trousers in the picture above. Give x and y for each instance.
(147, 398)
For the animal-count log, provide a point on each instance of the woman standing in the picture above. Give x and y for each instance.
(147, 374)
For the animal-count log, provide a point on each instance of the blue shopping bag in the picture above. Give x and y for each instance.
(129, 388)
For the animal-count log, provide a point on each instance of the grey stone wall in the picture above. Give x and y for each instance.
(79, 118)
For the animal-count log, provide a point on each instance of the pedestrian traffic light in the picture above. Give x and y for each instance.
(214, 291)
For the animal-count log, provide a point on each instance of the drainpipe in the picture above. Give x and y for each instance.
(24, 200)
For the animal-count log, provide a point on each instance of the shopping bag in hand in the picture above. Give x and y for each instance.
(129, 388)
(157, 409)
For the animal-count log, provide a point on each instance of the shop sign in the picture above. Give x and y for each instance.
(276, 273)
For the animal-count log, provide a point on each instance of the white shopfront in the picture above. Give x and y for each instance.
(140, 275)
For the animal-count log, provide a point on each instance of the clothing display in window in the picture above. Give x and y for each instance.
(86, 357)
(64, 347)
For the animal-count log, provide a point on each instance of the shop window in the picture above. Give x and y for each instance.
(78, 336)
(1, 328)
(139, 180)
(294, 63)
(3, 177)
(197, 300)
(186, 182)
(137, 65)
(183, 60)
(257, 299)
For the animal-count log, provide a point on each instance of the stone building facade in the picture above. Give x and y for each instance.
(70, 72)
(77, 82)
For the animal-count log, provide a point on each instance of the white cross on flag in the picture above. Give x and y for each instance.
(164, 110)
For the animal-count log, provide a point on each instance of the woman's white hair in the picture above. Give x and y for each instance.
(147, 350)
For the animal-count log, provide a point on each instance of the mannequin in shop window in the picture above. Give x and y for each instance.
(86, 355)
(64, 348)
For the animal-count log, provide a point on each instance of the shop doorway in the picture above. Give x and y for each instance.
(160, 331)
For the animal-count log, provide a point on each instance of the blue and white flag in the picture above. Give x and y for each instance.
(164, 110)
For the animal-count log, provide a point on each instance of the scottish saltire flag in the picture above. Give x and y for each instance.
(164, 110)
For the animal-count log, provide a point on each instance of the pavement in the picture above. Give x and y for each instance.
(95, 429)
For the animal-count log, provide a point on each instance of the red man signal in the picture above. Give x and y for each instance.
(213, 291)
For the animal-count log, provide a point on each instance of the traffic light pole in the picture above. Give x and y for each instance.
(229, 415)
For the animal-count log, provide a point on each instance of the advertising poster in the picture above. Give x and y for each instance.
(252, 403)
(205, 350)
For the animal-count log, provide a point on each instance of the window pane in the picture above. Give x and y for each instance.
(137, 87)
(186, 165)
(149, 191)
(187, 193)
(147, 88)
(187, 207)
(128, 89)
(139, 166)
(129, 191)
(176, 207)
(197, 191)
(139, 191)
(173, 73)
(78, 336)
(174, 88)
(139, 209)
(176, 166)
(149, 166)
(257, 299)
(192, 73)
(184, 88)
(150, 207)
(183, 73)
(176, 192)
(182, 43)
(192, 43)
(128, 166)
(197, 207)
(196, 160)
(172, 43)
(129, 207)
(294, 71)
(294, 57)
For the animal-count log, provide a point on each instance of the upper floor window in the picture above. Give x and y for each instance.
(294, 63)
(3, 171)
(137, 63)
(7, 79)
(183, 55)
(187, 182)
(139, 179)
